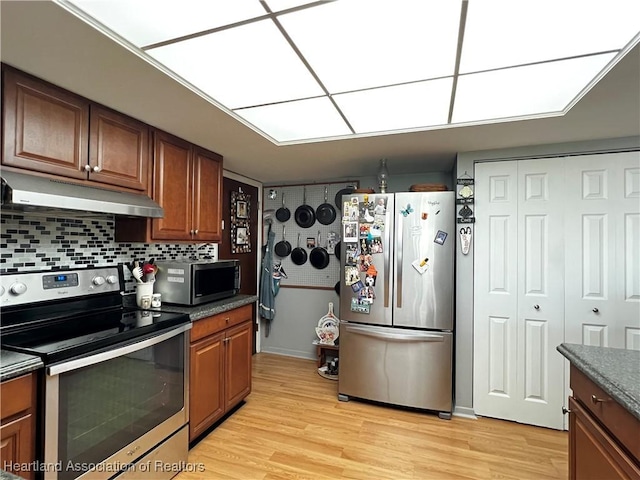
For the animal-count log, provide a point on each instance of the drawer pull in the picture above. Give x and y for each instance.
(537, 307)
(595, 310)
(227, 319)
(595, 400)
(565, 410)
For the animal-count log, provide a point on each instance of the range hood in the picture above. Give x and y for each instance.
(29, 192)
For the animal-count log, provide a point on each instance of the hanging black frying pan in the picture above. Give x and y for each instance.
(345, 191)
(283, 214)
(305, 215)
(337, 250)
(319, 257)
(282, 248)
(299, 254)
(325, 213)
(336, 287)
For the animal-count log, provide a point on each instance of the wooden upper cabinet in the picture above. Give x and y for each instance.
(207, 192)
(45, 128)
(172, 187)
(118, 149)
(187, 185)
(55, 132)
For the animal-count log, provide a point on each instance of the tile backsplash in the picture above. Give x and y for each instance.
(31, 242)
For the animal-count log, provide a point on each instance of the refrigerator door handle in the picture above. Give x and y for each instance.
(399, 255)
(391, 336)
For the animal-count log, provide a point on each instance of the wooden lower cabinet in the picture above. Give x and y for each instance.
(17, 424)
(220, 366)
(603, 437)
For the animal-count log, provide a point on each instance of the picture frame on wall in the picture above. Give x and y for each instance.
(240, 231)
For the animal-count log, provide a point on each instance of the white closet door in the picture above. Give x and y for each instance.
(540, 372)
(518, 265)
(495, 290)
(603, 250)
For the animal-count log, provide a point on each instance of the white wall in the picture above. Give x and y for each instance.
(464, 263)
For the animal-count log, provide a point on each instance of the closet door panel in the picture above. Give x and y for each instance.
(602, 248)
(540, 374)
(495, 286)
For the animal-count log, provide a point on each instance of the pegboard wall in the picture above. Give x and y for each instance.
(306, 275)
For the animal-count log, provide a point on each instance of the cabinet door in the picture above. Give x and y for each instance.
(238, 363)
(593, 454)
(16, 444)
(45, 128)
(207, 188)
(118, 149)
(206, 374)
(172, 187)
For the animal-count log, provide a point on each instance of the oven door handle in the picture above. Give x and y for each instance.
(118, 352)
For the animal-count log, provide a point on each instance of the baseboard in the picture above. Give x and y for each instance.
(464, 412)
(288, 353)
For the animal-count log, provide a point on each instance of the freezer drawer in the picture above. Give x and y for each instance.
(410, 368)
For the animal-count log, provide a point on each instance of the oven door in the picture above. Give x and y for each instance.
(104, 411)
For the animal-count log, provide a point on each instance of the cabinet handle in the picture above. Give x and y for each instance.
(87, 168)
(226, 319)
(537, 307)
(196, 232)
(96, 169)
(191, 231)
(565, 410)
(595, 400)
(595, 310)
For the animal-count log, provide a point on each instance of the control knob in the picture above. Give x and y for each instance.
(97, 281)
(111, 279)
(18, 288)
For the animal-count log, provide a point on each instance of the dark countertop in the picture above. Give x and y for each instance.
(206, 310)
(4, 475)
(13, 364)
(615, 370)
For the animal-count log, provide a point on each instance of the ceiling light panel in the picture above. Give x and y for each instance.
(241, 67)
(370, 43)
(523, 91)
(301, 120)
(502, 33)
(145, 22)
(280, 5)
(414, 105)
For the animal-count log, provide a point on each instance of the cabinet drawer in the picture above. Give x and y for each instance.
(17, 395)
(215, 323)
(615, 418)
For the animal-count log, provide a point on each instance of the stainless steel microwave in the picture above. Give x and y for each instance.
(192, 282)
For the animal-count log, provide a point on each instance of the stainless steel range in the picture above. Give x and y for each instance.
(114, 391)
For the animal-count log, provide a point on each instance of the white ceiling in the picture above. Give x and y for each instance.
(43, 39)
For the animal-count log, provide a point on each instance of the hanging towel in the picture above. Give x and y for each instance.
(267, 290)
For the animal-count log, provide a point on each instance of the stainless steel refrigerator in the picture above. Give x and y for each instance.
(397, 299)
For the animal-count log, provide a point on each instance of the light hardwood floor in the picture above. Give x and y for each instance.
(293, 427)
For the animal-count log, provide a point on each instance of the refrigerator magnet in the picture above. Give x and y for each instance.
(351, 275)
(357, 306)
(421, 265)
(381, 206)
(376, 245)
(366, 295)
(407, 210)
(350, 232)
(357, 286)
(441, 237)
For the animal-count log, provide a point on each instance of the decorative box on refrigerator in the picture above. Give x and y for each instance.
(396, 299)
